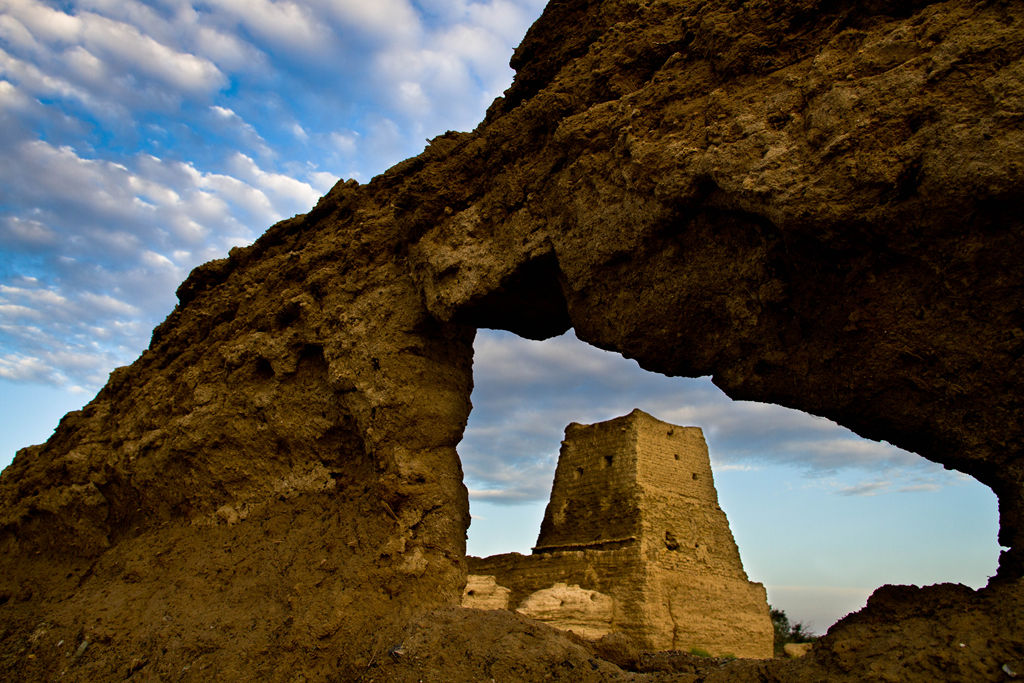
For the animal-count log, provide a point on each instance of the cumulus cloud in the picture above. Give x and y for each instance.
(322, 181)
(291, 25)
(21, 368)
(107, 65)
(227, 119)
(124, 45)
(287, 190)
(35, 82)
(394, 21)
(114, 240)
(119, 208)
(26, 232)
(11, 97)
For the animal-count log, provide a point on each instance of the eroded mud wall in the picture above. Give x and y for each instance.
(816, 203)
(267, 487)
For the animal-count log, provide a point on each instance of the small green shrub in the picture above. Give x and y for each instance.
(788, 633)
(699, 652)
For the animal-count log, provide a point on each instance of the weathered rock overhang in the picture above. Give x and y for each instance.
(817, 204)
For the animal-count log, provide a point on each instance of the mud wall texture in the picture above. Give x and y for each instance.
(634, 516)
(817, 203)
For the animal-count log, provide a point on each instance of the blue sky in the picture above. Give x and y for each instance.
(138, 140)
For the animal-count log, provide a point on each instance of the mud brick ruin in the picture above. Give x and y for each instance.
(633, 541)
(816, 204)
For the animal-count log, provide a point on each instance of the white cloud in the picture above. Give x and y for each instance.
(424, 80)
(121, 42)
(734, 468)
(344, 142)
(108, 304)
(237, 127)
(16, 34)
(287, 24)
(411, 98)
(393, 20)
(155, 193)
(12, 98)
(228, 51)
(504, 19)
(38, 83)
(844, 452)
(322, 181)
(492, 478)
(15, 311)
(287, 190)
(121, 236)
(231, 190)
(186, 28)
(87, 66)
(507, 359)
(36, 296)
(138, 14)
(475, 46)
(27, 369)
(507, 496)
(56, 368)
(25, 231)
(866, 488)
(42, 21)
(920, 488)
(111, 67)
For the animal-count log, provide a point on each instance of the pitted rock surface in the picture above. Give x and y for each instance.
(585, 612)
(817, 203)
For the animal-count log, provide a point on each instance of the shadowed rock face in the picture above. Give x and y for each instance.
(817, 203)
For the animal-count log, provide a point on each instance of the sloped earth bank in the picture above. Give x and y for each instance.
(940, 633)
(815, 202)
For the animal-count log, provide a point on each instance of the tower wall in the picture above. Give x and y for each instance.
(634, 515)
(594, 498)
(682, 528)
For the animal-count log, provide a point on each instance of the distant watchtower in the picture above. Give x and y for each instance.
(634, 515)
(618, 482)
(638, 480)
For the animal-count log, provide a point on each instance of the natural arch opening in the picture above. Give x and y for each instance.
(821, 516)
